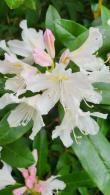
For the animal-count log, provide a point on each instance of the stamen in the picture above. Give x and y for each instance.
(77, 138)
(90, 106)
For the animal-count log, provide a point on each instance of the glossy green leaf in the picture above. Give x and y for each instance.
(17, 154)
(92, 161)
(9, 134)
(64, 36)
(41, 144)
(14, 3)
(71, 26)
(105, 15)
(78, 179)
(8, 190)
(51, 17)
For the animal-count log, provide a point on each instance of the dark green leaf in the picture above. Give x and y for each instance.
(9, 134)
(30, 4)
(8, 190)
(104, 125)
(78, 179)
(41, 144)
(17, 154)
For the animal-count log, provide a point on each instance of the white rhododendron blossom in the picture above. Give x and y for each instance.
(27, 109)
(31, 39)
(53, 82)
(85, 56)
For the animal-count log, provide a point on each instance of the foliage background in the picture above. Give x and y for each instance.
(56, 158)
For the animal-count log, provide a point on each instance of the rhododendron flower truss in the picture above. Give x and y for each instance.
(57, 83)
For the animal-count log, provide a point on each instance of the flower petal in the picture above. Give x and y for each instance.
(38, 124)
(49, 42)
(19, 191)
(5, 176)
(42, 58)
(8, 99)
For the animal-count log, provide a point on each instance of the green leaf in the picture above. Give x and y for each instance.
(64, 36)
(17, 154)
(8, 190)
(78, 179)
(104, 125)
(31, 4)
(67, 30)
(14, 3)
(83, 191)
(105, 15)
(103, 148)
(95, 161)
(51, 16)
(41, 144)
(9, 134)
(72, 27)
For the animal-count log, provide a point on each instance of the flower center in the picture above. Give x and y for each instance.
(60, 77)
(18, 65)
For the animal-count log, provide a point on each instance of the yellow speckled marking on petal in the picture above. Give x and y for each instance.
(58, 77)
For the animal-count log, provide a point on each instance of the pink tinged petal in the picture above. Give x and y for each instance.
(49, 40)
(65, 57)
(42, 58)
(30, 182)
(32, 170)
(25, 173)
(19, 191)
(38, 188)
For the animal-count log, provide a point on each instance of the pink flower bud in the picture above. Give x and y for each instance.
(25, 173)
(65, 58)
(49, 42)
(29, 182)
(32, 170)
(19, 191)
(42, 58)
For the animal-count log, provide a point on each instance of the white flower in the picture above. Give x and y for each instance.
(51, 184)
(63, 85)
(12, 65)
(5, 176)
(31, 40)
(70, 88)
(102, 75)
(28, 108)
(75, 117)
(85, 56)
